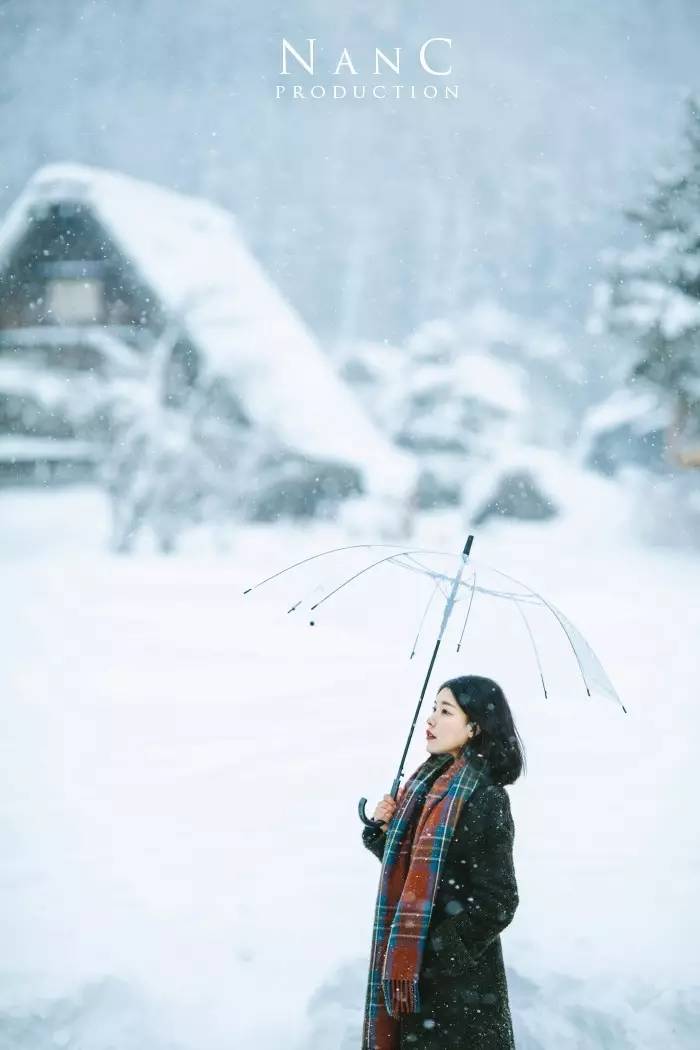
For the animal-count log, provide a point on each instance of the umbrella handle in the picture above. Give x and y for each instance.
(369, 821)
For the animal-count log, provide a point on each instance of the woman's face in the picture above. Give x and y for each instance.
(449, 725)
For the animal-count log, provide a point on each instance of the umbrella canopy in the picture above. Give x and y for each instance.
(453, 583)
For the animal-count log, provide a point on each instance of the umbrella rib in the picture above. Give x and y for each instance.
(469, 609)
(360, 572)
(353, 547)
(534, 646)
(420, 565)
(425, 571)
(420, 628)
(554, 612)
(321, 554)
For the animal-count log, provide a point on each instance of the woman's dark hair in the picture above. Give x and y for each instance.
(484, 702)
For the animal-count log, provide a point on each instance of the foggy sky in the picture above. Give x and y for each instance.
(373, 216)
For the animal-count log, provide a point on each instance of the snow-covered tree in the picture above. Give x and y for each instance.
(628, 427)
(180, 450)
(652, 293)
(171, 454)
(467, 394)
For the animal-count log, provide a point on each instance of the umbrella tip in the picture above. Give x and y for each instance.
(312, 623)
(468, 545)
(247, 590)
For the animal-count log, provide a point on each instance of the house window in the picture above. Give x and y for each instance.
(74, 301)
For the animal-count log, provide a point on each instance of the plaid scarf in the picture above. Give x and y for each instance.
(408, 885)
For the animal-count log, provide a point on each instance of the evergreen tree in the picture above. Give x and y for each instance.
(652, 293)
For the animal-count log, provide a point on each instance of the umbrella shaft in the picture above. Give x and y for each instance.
(449, 604)
(397, 781)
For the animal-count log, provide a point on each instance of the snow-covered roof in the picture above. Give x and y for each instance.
(192, 255)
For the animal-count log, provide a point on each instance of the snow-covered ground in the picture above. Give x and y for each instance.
(180, 854)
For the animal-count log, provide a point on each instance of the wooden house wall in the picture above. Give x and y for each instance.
(67, 241)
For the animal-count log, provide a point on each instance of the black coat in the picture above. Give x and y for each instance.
(464, 994)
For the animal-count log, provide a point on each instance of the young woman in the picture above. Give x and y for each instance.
(447, 886)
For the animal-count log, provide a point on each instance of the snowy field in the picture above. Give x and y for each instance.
(181, 863)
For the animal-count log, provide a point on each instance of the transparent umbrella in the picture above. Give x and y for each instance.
(457, 579)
